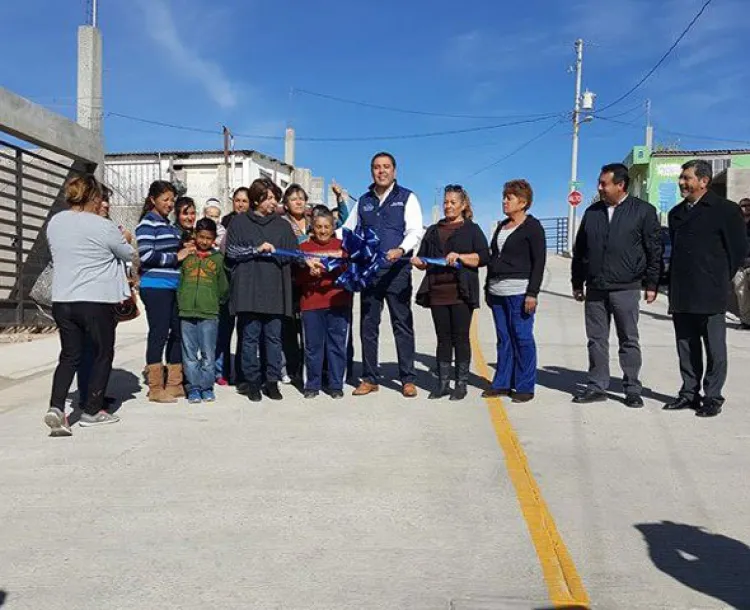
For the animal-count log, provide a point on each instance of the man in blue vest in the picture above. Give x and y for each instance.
(395, 215)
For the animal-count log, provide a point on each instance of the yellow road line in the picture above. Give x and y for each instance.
(564, 585)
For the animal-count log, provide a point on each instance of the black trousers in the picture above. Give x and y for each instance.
(399, 308)
(163, 325)
(79, 323)
(452, 324)
(693, 332)
(292, 344)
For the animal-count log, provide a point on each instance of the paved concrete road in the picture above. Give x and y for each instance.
(377, 502)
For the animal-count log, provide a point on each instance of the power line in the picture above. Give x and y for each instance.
(420, 112)
(333, 139)
(679, 133)
(515, 151)
(661, 61)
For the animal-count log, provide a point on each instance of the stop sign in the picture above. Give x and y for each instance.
(575, 198)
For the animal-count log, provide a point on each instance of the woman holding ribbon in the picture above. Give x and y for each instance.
(261, 286)
(514, 277)
(452, 252)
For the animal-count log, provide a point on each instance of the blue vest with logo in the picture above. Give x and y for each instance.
(387, 220)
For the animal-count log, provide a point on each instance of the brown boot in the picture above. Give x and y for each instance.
(174, 385)
(156, 393)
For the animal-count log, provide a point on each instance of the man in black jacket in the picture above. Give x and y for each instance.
(708, 245)
(617, 250)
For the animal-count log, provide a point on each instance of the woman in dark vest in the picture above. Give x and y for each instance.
(451, 293)
(514, 277)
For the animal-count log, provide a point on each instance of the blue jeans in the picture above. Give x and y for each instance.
(198, 352)
(326, 332)
(254, 326)
(516, 348)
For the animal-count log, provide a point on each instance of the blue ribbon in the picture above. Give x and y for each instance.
(440, 262)
(365, 259)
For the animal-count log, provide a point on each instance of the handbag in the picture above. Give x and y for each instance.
(41, 291)
(127, 310)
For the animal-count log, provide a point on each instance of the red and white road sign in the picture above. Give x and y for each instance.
(575, 198)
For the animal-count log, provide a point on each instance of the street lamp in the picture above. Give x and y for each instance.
(584, 105)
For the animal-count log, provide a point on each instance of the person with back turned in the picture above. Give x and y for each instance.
(709, 243)
(617, 251)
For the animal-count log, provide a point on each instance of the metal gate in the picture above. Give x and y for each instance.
(556, 230)
(31, 183)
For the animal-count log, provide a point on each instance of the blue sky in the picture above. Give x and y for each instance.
(205, 63)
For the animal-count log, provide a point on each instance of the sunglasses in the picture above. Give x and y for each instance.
(454, 188)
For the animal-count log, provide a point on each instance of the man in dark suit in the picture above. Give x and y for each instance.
(617, 252)
(708, 244)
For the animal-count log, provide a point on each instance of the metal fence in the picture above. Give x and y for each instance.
(556, 230)
(31, 183)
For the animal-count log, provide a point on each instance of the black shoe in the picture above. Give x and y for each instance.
(336, 394)
(310, 393)
(243, 388)
(443, 387)
(710, 408)
(682, 403)
(634, 401)
(462, 380)
(272, 390)
(589, 395)
(523, 397)
(252, 392)
(492, 392)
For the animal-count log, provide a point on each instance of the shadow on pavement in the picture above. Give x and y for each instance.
(570, 381)
(715, 565)
(425, 379)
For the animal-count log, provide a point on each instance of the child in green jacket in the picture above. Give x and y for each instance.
(203, 288)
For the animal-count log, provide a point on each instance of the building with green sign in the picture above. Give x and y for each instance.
(654, 174)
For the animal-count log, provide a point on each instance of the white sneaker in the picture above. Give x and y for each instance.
(57, 422)
(286, 380)
(99, 419)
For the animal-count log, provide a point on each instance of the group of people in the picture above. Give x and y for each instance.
(618, 253)
(264, 271)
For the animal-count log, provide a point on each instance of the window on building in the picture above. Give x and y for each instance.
(284, 184)
(266, 175)
(719, 165)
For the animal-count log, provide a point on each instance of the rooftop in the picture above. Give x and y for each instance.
(699, 153)
(186, 154)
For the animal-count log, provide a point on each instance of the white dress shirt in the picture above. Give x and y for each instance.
(412, 220)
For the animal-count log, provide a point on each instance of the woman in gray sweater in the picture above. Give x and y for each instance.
(88, 256)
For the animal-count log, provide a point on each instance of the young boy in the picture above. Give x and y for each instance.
(203, 288)
(326, 311)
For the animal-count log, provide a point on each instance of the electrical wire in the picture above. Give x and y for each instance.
(333, 139)
(661, 61)
(445, 115)
(515, 151)
(678, 133)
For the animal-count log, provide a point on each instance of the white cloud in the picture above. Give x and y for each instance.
(163, 29)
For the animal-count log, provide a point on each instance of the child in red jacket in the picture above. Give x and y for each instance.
(326, 311)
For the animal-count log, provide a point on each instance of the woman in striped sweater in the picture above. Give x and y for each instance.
(160, 253)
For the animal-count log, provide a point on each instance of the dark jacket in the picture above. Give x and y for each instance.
(467, 239)
(624, 254)
(263, 284)
(709, 242)
(523, 256)
(228, 219)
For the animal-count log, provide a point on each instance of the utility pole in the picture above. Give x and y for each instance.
(576, 127)
(649, 127)
(94, 12)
